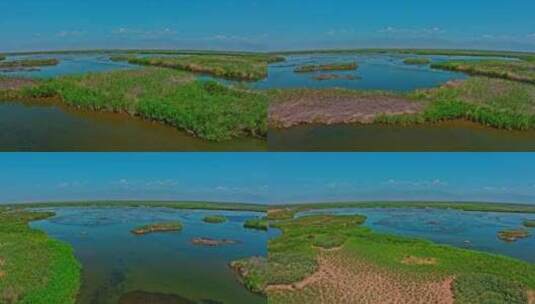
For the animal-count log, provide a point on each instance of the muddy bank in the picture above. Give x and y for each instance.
(330, 107)
(142, 297)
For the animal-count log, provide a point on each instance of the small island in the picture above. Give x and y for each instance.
(158, 227)
(258, 224)
(529, 223)
(350, 66)
(513, 235)
(214, 219)
(417, 61)
(212, 242)
(28, 63)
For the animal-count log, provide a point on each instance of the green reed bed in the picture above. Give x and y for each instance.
(523, 71)
(417, 61)
(28, 63)
(158, 227)
(529, 223)
(215, 219)
(235, 67)
(204, 108)
(257, 223)
(347, 66)
(34, 269)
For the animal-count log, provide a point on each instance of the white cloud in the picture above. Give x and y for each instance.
(417, 183)
(144, 33)
(64, 34)
(428, 31)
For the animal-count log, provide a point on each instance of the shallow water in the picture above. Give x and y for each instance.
(474, 230)
(447, 136)
(69, 65)
(160, 267)
(375, 72)
(31, 127)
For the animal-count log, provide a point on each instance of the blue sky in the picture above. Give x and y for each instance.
(268, 177)
(266, 25)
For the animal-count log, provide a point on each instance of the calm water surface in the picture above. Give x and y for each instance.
(116, 263)
(446, 136)
(475, 230)
(31, 127)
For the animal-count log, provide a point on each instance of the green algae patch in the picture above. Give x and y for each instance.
(33, 267)
(158, 227)
(215, 219)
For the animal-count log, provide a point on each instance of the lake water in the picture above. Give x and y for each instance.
(375, 72)
(446, 136)
(48, 127)
(474, 230)
(69, 65)
(162, 267)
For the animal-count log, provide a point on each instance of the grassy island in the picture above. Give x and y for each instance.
(28, 63)
(206, 109)
(417, 61)
(529, 223)
(349, 66)
(335, 258)
(33, 267)
(158, 227)
(236, 67)
(513, 235)
(252, 272)
(214, 219)
(522, 71)
(258, 224)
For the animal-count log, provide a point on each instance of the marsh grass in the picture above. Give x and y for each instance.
(122, 57)
(417, 61)
(214, 219)
(158, 227)
(512, 235)
(33, 267)
(257, 223)
(242, 67)
(522, 71)
(2, 57)
(206, 109)
(347, 66)
(252, 272)
(28, 63)
(529, 223)
(477, 275)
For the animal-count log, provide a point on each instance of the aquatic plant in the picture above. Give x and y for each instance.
(276, 214)
(522, 71)
(237, 67)
(158, 227)
(257, 223)
(350, 66)
(33, 267)
(2, 57)
(214, 219)
(529, 223)
(512, 235)
(252, 272)
(417, 61)
(206, 109)
(28, 63)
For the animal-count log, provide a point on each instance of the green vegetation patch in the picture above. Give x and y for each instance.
(252, 272)
(477, 276)
(122, 57)
(417, 61)
(34, 268)
(2, 57)
(257, 223)
(522, 71)
(237, 67)
(214, 219)
(277, 214)
(349, 66)
(204, 108)
(158, 227)
(28, 63)
(529, 223)
(512, 235)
